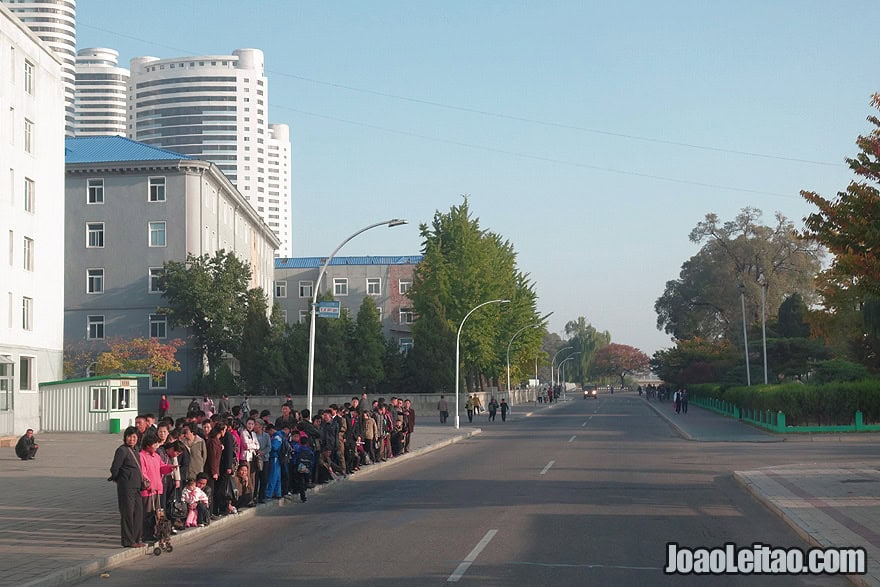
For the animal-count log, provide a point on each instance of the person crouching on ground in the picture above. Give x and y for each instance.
(26, 448)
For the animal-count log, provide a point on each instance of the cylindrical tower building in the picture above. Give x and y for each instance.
(101, 93)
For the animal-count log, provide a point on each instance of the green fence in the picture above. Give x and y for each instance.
(775, 421)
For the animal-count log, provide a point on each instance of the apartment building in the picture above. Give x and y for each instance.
(386, 279)
(101, 93)
(215, 108)
(130, 208)
(31, 221)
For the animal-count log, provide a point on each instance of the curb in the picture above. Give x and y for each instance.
(105, 563)
(811, 540)
(678, 429)
(688, 436)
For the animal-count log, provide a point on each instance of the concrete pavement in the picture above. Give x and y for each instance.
(828, 504)
(58, 516)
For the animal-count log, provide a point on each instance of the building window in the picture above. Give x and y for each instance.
(303, 316)
(305, 289)
(95, 328)
(28, 77)
(98, 399)
(280, 289)
(154, 279)
(159, 381)
(29, 194)
(6, 383)
(95, 281)
(284, 316)
(404, 286)
(374, 286)
(28, 254)
(28, 136)
(157, 189)
(405, 345)
(95, 191)
(406, 316)
(95, 235)
(157, 234)
(158, 326)
(27, 313)
(120, 398)
(340, 286)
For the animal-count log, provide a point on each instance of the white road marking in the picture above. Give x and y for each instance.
(584, 425)
(469, 559)
(572, 438)
(547, 468)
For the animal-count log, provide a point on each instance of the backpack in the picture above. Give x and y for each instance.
(285, 451)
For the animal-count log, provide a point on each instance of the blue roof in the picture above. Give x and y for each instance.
(113, 149)
(316, 262)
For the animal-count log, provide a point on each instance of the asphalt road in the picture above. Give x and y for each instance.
(585, 493)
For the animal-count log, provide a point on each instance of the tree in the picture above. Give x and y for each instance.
(257, 351)
(847, 226)
(208, 295)
(368, 347)
(694, 360)
(619, 360)
(586, 340)
(705, 301)
(140, 355)
(464, 266)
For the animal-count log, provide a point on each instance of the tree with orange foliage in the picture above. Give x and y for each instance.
(140, 355)
(619, 360)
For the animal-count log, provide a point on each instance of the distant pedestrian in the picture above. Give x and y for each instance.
(469, 407)
(443, 408)
(676, 398)
(224, 406)
(684, 401)
(26, 447)
(163, 406)
(493, 409)
(478, 405)
(505, 407)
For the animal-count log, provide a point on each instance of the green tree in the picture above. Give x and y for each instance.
(586, 340)
(368, 347)
(209, 296)
(705, 301)
(257, 351)
(695, 360)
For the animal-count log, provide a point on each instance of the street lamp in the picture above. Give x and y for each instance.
(763, 283)
(742, 298)
(311, 380)
(457, 341)
(535, 325)
(553, 362)
(562, 371)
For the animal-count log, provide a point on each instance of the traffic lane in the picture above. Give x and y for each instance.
(431, 512)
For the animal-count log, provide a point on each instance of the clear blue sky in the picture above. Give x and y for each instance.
(558, 118)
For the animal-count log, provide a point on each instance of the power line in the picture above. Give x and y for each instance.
(499, 115)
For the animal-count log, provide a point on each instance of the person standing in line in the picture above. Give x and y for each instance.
(443, 408)
(409, 423)
(261, 477)
(273, 488)
(26, 447)
(469, 407)
(126, 473)
(164, 406)
(505, 407)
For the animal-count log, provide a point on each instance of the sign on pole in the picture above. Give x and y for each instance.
(328, 309)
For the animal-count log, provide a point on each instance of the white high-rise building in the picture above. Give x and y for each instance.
(215, 108)
(31, 222)
(101, 93)
(54, 22)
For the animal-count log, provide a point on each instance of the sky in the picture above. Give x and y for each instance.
(592, 135)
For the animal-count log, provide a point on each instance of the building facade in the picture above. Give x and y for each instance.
(386, 279)
(31, 221)
(101, 93)
(130, 208)
(54, 22)
(215, 108)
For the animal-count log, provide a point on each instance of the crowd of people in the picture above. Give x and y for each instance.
(220, 458)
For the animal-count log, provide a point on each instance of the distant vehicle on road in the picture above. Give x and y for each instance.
(591, 391)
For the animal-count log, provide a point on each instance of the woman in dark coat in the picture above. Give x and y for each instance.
(126, 473)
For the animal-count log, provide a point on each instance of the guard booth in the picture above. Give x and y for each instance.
(108, 403)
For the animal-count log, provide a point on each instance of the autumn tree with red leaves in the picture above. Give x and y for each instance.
(140, 355)
(619, 360)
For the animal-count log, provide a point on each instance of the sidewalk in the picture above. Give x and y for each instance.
(828, 506)
(58, 514)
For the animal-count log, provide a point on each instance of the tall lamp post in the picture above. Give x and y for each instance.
(553, 362)
(535, 325)
(562, 370)
(742, 298)
(457, 344)
(311, 380)
(762, 281)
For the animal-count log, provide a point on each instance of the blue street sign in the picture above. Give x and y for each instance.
(328, 309)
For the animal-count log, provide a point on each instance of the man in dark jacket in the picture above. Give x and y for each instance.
(409, 423)
(26, 448)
